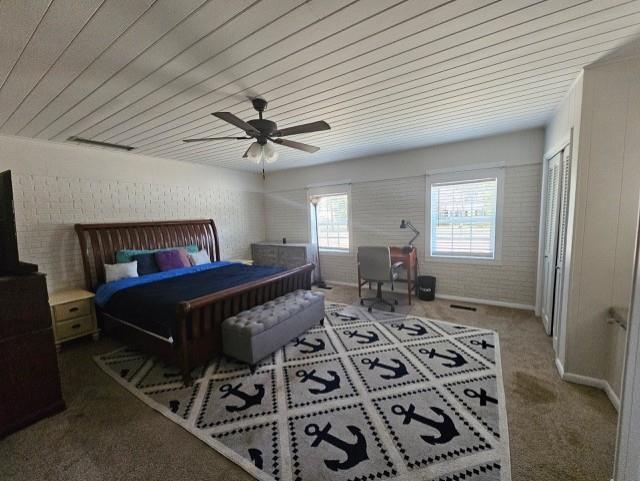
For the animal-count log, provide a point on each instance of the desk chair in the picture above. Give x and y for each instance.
(374, 265)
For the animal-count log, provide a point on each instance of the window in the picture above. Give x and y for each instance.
(333, 221)
(465, 216)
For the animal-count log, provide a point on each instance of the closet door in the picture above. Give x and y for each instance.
(562, 244)
(552, 198)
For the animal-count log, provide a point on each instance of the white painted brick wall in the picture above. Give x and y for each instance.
(288, 215)
(48, 206)
(378, 207)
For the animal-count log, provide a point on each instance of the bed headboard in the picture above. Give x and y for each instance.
(99, 242)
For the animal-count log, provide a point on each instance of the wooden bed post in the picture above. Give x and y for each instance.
(184, 346)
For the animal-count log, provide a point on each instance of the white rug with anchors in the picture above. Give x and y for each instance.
(364, 397)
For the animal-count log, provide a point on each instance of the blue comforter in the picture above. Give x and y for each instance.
(150, 302)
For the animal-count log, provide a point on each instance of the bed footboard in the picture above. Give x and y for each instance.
(200, 319)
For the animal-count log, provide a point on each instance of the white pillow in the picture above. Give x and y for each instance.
(124, 270)
(199, 258)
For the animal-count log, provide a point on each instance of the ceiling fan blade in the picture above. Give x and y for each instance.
(303, 128)
(296, 145)
(233, 120)
(207, 139)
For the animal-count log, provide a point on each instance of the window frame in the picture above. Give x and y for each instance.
(467, 176)
(329, 191)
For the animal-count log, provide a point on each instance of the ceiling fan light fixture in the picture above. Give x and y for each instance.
(270, 154)
(255, 152)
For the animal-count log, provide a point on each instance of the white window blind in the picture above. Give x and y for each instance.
(463, 218)
(333, 221)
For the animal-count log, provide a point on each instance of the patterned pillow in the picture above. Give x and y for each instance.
(199, 258)
(114, 272)
(173, 259)
(126, 255)
(146, 264)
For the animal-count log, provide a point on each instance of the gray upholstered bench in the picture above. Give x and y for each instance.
(254, 334)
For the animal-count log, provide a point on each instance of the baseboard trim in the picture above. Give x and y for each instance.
(487, 302)
(593, 382)
(473, 300)
(560, 368)
(613, 397)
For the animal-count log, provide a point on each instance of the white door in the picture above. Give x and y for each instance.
(562, 243)
(552, 201)
(627, 462)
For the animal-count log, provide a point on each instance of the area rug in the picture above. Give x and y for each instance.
(353, 400)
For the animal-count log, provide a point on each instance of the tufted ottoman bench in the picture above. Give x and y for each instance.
(254, 334)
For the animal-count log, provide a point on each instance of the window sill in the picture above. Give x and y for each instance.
(464, 260)
(335, 252)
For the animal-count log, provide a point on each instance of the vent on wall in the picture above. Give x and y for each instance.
(97, 143)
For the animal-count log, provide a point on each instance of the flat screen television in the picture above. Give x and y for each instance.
(9, 258)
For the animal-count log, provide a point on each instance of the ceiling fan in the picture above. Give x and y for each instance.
(265, 131)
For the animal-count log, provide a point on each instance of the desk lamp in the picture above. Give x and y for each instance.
(405, 224)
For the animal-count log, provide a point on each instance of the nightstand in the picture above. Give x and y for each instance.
(74, 315)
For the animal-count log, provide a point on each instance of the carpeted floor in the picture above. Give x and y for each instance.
(558, 431)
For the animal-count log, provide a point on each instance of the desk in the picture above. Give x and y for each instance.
(410, 263)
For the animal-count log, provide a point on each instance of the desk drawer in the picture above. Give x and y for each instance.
(72, 310)
(75, 327)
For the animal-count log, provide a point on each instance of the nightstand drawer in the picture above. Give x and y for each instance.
(72, 310)
(75, 327)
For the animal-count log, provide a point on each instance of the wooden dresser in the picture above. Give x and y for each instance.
(284, 255)
(28, 361)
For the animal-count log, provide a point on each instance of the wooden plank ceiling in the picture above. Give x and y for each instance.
(386, 74)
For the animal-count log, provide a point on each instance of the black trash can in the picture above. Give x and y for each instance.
(426, 288)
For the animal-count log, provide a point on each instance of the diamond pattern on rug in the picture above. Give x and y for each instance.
(411, 329)
(339, 443)
(228, 365)
(162, 373)
(126, 368)
(482, 472)
(309, 346)
(444, 358)
(238, 398)
(384, 369)
(122, 353)
(427, 429)
(483, 344)
(342, 315)
(316, 382)
(453, 329)
(362, 337)
(336, 404)
(179, 400)
(480, 397)
(259, 443)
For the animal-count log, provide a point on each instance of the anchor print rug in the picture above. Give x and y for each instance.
(357, 399)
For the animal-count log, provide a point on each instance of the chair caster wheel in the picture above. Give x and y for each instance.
(361, 302)
(370, 309)
(393, 309)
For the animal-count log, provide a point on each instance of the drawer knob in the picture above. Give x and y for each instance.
(73, 309)
(76, 326)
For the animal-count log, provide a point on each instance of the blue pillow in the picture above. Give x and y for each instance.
(146, 264)
(126, 255)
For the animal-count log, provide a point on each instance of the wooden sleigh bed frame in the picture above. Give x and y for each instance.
(199, 320)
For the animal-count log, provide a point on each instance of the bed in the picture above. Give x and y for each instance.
(194, 335)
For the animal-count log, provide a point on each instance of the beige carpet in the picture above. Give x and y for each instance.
(558, 431)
